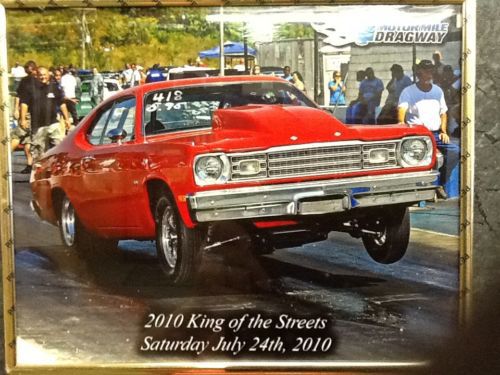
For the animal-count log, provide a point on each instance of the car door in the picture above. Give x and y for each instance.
(111, 169)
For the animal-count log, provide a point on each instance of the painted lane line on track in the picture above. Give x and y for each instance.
(436, 233)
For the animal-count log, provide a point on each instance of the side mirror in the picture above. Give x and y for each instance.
(117, 135)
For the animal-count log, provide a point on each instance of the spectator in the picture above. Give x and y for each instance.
(135, 78)
(155, 74)
(56, 75)
(370, 92)
(142, 75)
(126, 76)
(356, 109)
(450, 84)
(44, 122)
(298, 81)
(398, 82)
(199, 63)
(21, 134)
(286, 73)
(240, 66)
(256, 70)
(423, 103)
(437, 57)
(337, 89)
(70, 86)
(18, 73)
(96, 87)
(448, 79)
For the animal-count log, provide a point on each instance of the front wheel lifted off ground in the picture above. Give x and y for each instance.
(392, 230)
(178, 247)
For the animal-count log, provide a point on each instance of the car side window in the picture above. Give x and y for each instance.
(94, 136)
(120, 116)
(129, 120)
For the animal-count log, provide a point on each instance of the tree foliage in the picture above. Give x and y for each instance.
(169, 36)
(294, 31)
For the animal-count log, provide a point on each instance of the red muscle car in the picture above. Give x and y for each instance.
(172, 160)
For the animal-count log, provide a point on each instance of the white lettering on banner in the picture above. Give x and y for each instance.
(409, 37)
(431, 33)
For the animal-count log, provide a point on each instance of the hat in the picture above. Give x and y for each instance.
(425, 64)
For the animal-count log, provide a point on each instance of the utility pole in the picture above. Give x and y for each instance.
(222, 62)
(84, 29)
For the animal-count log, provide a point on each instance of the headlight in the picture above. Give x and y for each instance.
(211, 169)
(416, 151)
(249, 167)
(378, 156)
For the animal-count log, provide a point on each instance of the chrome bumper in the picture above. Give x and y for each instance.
(312, 198)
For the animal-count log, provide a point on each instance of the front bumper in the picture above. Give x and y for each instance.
(312, 198)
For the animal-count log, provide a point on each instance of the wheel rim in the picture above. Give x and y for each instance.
(381, 235)
(68, 222)
(169, 237)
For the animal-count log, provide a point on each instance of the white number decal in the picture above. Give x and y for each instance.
(152, 107)
(158, 97)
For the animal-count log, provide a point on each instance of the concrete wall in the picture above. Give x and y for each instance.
(298, 54)
(381, 58)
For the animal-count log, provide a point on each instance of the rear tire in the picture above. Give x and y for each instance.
(391, 242)
(74, 235)
(262, 245)
(177, 246)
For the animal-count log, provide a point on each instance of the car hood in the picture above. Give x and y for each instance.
(260, 127)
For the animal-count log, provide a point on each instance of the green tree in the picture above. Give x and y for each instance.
(294, 31)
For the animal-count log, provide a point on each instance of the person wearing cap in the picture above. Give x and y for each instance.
(398, 82)
(423, 103)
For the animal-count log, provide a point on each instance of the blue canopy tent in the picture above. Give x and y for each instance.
(232, 49)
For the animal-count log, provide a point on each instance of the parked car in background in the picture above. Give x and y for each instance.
(174, 73)
(84, 105)
(276, 71)
(111, 87)
(174, 161)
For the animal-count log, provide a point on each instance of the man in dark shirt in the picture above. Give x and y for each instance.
(43, 105)
(21, 134)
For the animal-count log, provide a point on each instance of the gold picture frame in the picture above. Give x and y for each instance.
(6, 208)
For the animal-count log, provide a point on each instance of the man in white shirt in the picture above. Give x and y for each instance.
(126, 76)
(69, 84)
(17, 72)
(423, 103)
(135, 79)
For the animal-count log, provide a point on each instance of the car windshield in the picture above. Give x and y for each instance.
(192, 107)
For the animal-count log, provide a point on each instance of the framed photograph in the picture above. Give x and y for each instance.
(217, 186)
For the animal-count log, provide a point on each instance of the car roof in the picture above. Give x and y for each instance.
(200, 80)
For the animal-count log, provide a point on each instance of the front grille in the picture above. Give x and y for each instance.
(329, 159)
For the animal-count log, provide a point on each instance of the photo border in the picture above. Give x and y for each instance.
(466, 308)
